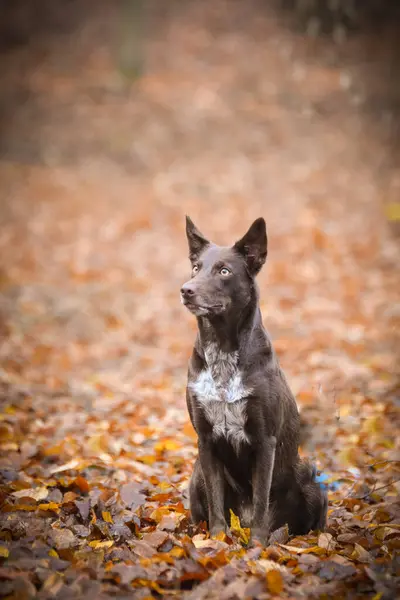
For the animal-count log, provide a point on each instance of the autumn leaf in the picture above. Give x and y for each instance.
(82, 484)
(63, 538)
(326, 541)
(130, 495)
(310, 550)
(4, 552)
(359, 553)
(238, 529)
(37, 493)
(98, 544)
(53, 506)
(274, 581)
(107, 516)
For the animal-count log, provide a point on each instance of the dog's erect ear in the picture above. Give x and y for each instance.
(253, 246)
(197, 241)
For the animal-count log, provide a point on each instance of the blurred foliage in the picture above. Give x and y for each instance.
(131, 35)
(340, 16)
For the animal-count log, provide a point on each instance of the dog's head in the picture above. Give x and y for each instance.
(222, 277)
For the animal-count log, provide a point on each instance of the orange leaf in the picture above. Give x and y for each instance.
(53, 506)
(274, 581)
(82, 484)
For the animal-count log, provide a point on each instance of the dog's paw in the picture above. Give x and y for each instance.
(218, 528)
(259, 537)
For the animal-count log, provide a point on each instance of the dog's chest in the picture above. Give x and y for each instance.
(221, 395)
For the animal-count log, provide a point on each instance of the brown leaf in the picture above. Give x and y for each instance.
(383, 532)
(325, 540)
(155, 538)
(83, 507)
(24, 589)
(331, 570)
(130, 495)
(279, 536)
(360, 554)
(63, 538)
(171, 522)
(128, 573)
(52, 584)
(143, 549)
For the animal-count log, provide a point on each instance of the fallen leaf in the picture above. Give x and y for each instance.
(130, 496)
(107, 516)
(279, 536)
(83, 507)
(34, 493)
(359, 553)
(155, 538)
(274, 581)
(311, 549)
(63, 538)
(69, 466)
(50, 506)
(98, 544)
(331, 570)
(325, 540)
(237, 528)
(82, 484)
(128, 573)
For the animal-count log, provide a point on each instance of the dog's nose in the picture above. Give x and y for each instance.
(187, 290)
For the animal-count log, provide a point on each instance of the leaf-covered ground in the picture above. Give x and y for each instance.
(237, 115)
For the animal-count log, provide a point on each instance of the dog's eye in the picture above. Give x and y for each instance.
(195, 269)
(224, 272)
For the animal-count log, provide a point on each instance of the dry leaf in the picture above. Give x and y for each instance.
(98, 544)
(238, 529)
(274, 581)
(325, 540)
(107, 516)
(35, 493)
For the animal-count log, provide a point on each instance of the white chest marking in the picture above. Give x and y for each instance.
(228, 420)
(219, 389)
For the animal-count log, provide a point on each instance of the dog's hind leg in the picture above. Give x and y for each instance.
(300, 501)
(197, 495)
(315, 497)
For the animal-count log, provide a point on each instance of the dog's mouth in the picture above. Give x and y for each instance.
(197, 308)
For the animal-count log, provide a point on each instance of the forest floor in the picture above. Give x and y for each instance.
(236, 115)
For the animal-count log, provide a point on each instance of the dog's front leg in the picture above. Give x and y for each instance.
(262, 479)
(213, 473)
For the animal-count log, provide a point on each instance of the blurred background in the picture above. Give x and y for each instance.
(118, 118)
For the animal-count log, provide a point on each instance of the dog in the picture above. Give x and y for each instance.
(239, 401)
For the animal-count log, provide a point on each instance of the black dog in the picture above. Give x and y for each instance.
(239, 401)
